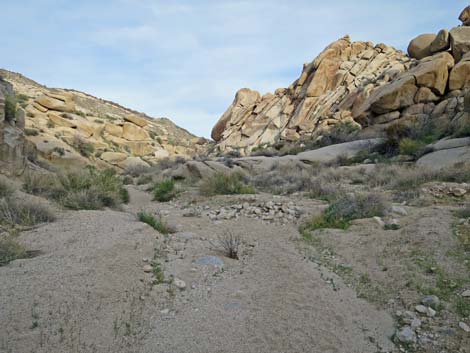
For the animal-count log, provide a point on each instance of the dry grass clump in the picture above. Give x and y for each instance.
(11, 250)
(281, 181)
(25, 213)
(347, 208)
(225, 184)
(5, 189)
(86, 190)
(156, 222)
(229, 244)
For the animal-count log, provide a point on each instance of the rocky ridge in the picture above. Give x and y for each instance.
(360, 86)
(73, 129)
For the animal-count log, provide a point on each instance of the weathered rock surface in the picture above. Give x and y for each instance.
(71, 128)
(420, 47)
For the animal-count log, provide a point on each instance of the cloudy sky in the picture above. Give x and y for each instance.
(185, 59)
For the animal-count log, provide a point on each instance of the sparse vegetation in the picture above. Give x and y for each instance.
(225, 184)
(5, 189)
(229, 244)
(347, 208)
(10, 107)
(86, 149)
(164, 191)
(156, 222)
(90, 189)
(10, 250)
(13, 213)
(31, 132)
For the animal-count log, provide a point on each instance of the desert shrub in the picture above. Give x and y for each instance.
(50, 124)
(128, 180)
(232, 154)
(411, 147)
(156, 222)
(5, 189)
(225, 184)
(464, 212)
(10, 107)
(59, 150)
(144, 179)
(14, 213)
(84, 148)
(89, 189)
(347, 208)
(282, 180)
(229, 244)
(321, 189)
(164, 191)
(137, 170)
(339, 133)
(31, 132)
(11, 250)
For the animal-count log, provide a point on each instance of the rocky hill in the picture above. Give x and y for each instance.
(360, 86)
(69, 128)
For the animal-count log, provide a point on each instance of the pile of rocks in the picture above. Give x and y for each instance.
(440, 190)
(366, 86)
(275, 212)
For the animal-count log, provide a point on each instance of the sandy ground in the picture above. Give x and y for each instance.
(87, 291)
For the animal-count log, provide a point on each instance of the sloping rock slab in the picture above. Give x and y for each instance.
(445, 158)
(331, 153)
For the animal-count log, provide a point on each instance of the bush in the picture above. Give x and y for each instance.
(230, 245)
(156, 223)
(347, 208)
(164, 191)
(84, 148)
(10, 250)
(411, 147)
(13, 213)
(89, 190)
(10, 107)
(323, 190)
(225, 184)
(144, 179)
(5, 189)
(31, 132)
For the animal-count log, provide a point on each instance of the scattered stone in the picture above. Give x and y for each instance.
(421, 309)
(464, 326)
(415, 324)
(379, 221)
(210, 261)
(180, 284)
(399, 210)
(165, 311)
(466, 293)
(147, 268)
(431, 301)
(406, 335)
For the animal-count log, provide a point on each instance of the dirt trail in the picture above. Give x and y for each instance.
(87, 291)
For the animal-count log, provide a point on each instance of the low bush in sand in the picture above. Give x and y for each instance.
(11, 250)
(225, 184)
(156, 222)
(164, 191)
(25, 213)
(229, 244)
(347, 208)
(5, 189)
(85, 190)
(144, 179)
(464, 212)
(86, 149)
(281, 181)
(321, 189)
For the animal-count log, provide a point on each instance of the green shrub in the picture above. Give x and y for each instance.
(10, 107)
(84, 148)
(164, 191)
(347, 208)
(14, 213)
(156, 223)
(59, 150)
(10, 250)
(225, 184)
(31, 132)
(411, 147)
(5, 189)
(90, 189)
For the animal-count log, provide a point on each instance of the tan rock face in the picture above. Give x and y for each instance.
(419, 47)
(441, 43)
(465, 16)
(460, 74)
(460, 41)
(136, 120)
(132, 132)
(61, 103)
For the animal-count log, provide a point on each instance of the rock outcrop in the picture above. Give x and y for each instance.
(72, 129)
(363, 86)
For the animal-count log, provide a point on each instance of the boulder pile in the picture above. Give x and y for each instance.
(361, 86)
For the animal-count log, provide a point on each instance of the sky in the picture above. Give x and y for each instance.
(185, 60)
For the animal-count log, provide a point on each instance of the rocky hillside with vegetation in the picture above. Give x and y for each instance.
(355, 90)
(72, 129)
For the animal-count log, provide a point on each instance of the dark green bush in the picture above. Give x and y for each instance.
(164, 191)
(156, 223)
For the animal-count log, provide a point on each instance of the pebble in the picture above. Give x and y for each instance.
(399, 210)
(431, 301)
(464, 326)
(165, 311)
(147, 268)
(415, 324)
(421, 309)
(379, 221)
(180, 284)
(466, 294)
(406, 335)
(210, 260)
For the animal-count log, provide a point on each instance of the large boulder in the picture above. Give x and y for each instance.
(419, 47)
(433, 72)
(136, 120)
(460, 75)
(133, 132)
(460, 41)
(113, 157)
(394, 96)
(465, 16)
(59, 102)
(245, 99)
(445, 158)
(441, 42)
